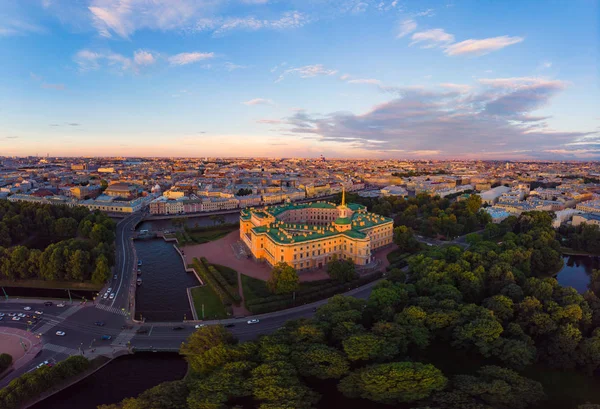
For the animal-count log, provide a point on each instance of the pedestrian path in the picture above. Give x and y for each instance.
(51, 323)
(114, 310)
(60, 349)
(123, 338)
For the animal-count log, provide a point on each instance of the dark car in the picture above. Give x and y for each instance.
(106, 337)
(141, 331)
(48, 303)
(99, 323)
(177, 328)
(229, 325)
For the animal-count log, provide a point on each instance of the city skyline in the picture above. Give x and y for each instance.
(360, 79)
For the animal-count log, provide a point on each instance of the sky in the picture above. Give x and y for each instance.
(301, 78)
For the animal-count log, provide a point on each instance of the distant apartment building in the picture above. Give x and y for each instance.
(393, 190)
(85, 192)
(79, 166)
(590, 206)
(121, 189)
(587, 218)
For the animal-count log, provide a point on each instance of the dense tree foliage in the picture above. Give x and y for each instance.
(584, 237)
(284, 279)
(5, 361)
(342, 270)
(31, 384)
(427, 215)
(496, 302)
(81, 243)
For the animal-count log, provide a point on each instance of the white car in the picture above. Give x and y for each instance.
(38, 312)
(1, 314)
(27, 308)
(16, 318)
(253, 321)
(60, 333)
(109, 290)
(199, 326)
(60, 305)
(21, 315)
(105, 296)
(112, 295)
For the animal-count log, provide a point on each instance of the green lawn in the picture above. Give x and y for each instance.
(62, 285)
(213, 307)
(396, 255)
(199, 236)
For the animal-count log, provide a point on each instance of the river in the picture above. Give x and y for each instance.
(577, 271)
(124, 377)
(162, 295)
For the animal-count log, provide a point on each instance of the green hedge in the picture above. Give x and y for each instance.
(212, 282)
(275, 303)
(31, 384)
(228, 289)
(228, 273)
(5, 361)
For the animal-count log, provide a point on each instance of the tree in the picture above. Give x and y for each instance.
(78, 265)
(209, 347)
(500, 388)
(102, 270)
(5, 361)
(244, 192)
(474, 203)
(404, 237)
(276, 384)
(367, 347)
(342, 270)
(322, 362)
(394, 383)
(167, 395)
(284, 279)
(227, 382)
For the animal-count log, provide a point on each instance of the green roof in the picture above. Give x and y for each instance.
(343, 220)
(277, 210)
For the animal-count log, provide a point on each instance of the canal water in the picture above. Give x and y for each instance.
(577, 272)
(125, 377)
(162, 295)
(198, 221)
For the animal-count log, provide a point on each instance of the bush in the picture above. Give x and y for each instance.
(211, 282)
(228, 289)
(31, 384)
(5, 361)
(311, 294)
(228, 273)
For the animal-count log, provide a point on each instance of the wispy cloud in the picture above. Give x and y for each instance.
(370, 81)
(189, 58)
(436, 37)
(142, 57)
(481, 47)
(220, 26)
(58, 87)
(15, 27)
(406, 27)
(229, 66)
(258, 101)
(308, 71)
(269, 121)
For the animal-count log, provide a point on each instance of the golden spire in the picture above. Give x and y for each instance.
(343, 196)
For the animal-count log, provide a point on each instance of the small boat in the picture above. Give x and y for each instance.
(139, 281)
(139, 262)
(139, 271)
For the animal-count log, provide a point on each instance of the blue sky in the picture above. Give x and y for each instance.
(342, 78)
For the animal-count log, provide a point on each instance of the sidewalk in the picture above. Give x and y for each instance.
(10, 341)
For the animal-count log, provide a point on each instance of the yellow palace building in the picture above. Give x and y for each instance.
(309, 235)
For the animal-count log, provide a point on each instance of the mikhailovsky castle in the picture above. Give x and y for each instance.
(309, 235)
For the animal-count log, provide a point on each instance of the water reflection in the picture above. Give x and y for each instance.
(577, 271)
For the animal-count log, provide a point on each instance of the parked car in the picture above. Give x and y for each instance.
(1, 314)
(16, 318)
(99, 323)
(199, 326)
(27, 308)
(60, 305)
(38, 312)
(106, 338)
(11, 314)
(48, 303)
(1, 318)
(60, 333)
(253, 321)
